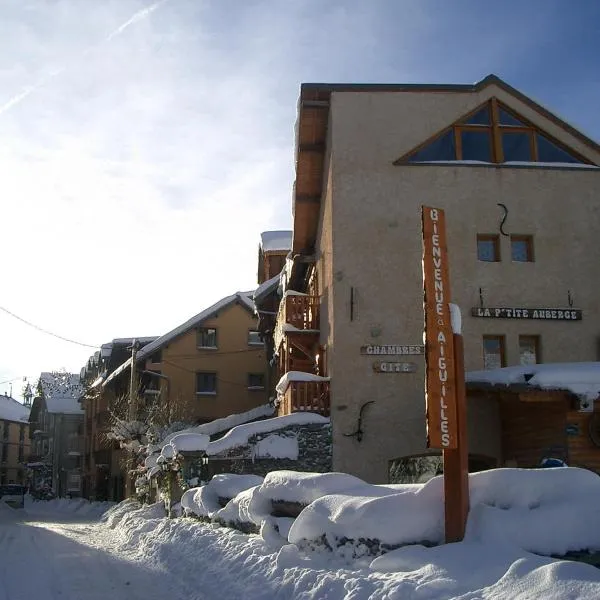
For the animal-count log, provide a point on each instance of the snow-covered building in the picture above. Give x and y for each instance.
(521, 191)
(56, 421)
(14, 440)
(103, 461)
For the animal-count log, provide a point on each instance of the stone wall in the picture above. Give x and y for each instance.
(314, 453)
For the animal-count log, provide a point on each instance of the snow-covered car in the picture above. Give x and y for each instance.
(13, 495)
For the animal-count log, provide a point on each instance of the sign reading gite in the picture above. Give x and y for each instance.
(440, 394)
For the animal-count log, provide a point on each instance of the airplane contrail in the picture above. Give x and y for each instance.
(138, 16)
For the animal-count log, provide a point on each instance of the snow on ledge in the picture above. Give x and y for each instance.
(240, 435)
(581, 379)
(283, 383)
(455, 318)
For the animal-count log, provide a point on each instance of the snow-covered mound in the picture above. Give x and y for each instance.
(75, 506)
(205, 500)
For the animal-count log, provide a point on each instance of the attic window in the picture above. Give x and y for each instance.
(492, 133)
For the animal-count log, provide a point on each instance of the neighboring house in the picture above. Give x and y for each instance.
(14, 440)
(211, 366)
(104, 461)
(272, 254)
(56, 420)
(521, 192)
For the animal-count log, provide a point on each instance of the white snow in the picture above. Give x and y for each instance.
(582, 378)
(272, 241)
(283, 383)
(239, 436)
(277, 446)
(11, 410)
(190, 442)
(52, 550)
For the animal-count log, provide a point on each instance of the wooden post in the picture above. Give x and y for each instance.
(456, 461)
(445, 378)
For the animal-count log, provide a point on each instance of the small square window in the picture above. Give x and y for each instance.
(493, 352)
(256, 381)
(521, 248)
(254, 338)
(488, 248)
(529, 349)
(207, 337)
(156, 357)
(206, 384)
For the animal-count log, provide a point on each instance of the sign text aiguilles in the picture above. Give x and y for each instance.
(440, 394)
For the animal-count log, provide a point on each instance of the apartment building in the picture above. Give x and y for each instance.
(14, 440)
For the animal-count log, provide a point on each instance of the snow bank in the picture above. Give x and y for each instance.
(75, 506)
(239, 436)
(546, 511)
(190, 442)
(206, 498)
(277, 446)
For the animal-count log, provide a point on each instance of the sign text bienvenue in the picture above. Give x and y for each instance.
(440, 392)
(548, 314)
(392, 349)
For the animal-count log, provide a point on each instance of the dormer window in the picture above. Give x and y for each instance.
(493, 133)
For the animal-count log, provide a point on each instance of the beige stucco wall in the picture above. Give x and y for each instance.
(232, 362)
(376, 248)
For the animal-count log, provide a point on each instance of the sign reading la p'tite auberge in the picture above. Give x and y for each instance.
(440, 392)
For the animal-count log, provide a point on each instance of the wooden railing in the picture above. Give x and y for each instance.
(306, 396)
(300, 311)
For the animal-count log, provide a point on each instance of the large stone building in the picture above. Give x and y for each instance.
(521, 192)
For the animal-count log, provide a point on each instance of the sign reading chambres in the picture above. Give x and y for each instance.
(440, 393)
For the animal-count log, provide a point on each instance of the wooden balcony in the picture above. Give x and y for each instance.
(305, 396)
(297, 313)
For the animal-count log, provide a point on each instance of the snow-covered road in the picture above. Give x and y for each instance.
(50, 556)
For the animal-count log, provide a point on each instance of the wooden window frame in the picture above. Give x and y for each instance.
(489, 237)
(199, 333)
(211, 393)
(502, 339)
(495, 129)
(537, 344)
(528, 239)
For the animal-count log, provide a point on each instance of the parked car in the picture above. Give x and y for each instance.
(13, 495)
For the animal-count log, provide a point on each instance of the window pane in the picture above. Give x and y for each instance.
(487, 250)
(256, 380)
(442, 148)
(528, 350)
(207, 338)
(476, 145)
(493, 353)
(507, 119)
(516, 146)
(206, 383)
(550, 152)
(521, 250)
(254, 338)
(481, 117)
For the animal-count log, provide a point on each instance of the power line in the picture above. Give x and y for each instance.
(60, 337)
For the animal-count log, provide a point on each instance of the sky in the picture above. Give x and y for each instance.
(144, 146)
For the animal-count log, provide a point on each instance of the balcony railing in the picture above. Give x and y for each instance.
(296, 312)
(305, 396)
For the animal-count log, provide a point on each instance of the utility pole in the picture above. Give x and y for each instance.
(132, 390)
(132, 415)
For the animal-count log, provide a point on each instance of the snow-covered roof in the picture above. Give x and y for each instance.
(62, 392)
(117, 371)
(245, 298)
(272, 241)
(266, 287)
(11, 410)
(581, 378)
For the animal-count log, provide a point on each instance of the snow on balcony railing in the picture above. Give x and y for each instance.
(297, 312)
(303, 392)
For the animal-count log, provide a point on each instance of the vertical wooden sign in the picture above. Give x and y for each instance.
(440, 391)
